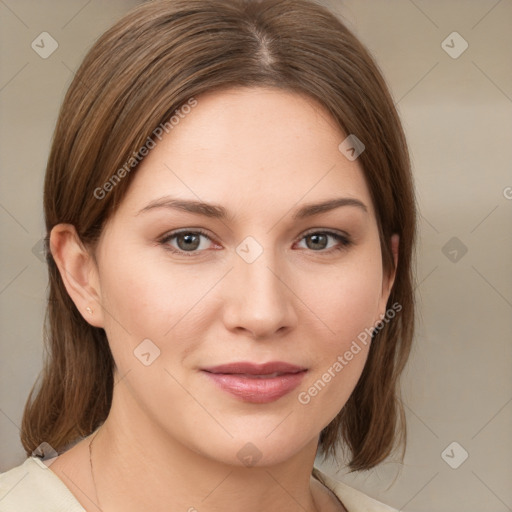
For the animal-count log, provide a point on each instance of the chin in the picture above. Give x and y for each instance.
(260, 449)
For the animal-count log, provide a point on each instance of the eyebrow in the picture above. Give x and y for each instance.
(219, 212)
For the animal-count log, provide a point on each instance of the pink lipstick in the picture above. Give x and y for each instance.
(257, 383)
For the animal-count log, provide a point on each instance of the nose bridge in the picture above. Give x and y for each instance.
(260, 297)
(256, 267)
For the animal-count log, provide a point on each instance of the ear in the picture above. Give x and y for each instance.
(78, 271)
(389, 278)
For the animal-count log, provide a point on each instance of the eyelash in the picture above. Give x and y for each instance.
(344, 240)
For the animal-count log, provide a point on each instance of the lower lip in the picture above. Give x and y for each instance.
(257, 390)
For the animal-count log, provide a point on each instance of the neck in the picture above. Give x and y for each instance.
(132, 453)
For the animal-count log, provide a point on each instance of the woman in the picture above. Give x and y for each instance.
(231, 222)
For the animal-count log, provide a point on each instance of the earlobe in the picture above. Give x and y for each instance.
(78, 272)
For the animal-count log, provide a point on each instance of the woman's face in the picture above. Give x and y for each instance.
(261, 277)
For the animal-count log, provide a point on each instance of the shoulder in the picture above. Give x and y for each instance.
(33, 486)
(352, 499)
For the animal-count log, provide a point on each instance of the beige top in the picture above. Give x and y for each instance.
(33, 487)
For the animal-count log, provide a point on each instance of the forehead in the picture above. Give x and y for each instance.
(251, 150)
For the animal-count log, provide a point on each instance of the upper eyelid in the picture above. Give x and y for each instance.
(324, 230)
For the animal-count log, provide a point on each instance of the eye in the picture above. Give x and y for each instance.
(188, 241)
(319, 239)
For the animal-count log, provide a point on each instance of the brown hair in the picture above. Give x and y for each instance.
(132, 80)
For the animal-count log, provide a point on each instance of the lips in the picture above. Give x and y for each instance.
(256, 383)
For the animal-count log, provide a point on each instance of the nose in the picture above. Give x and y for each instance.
(258, 297)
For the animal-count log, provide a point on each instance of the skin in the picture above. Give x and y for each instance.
(171, 433)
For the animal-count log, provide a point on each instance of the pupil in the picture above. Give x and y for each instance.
(315, 239)
(188, 238)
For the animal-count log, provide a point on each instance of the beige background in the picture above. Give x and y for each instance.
(457, 113)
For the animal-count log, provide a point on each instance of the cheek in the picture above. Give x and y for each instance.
(347, 307)
(347, 299)
(148, 298)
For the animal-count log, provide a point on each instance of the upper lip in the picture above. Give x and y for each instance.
(249, 368)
